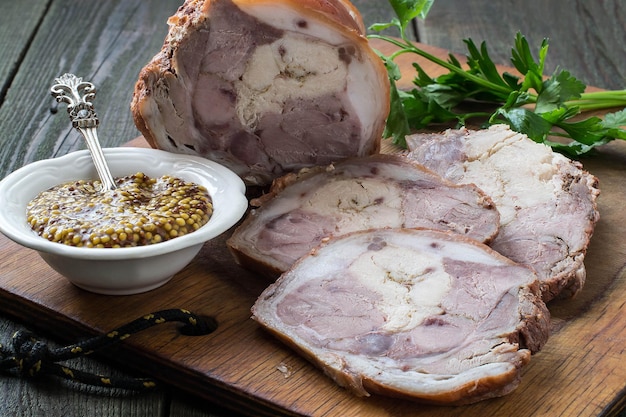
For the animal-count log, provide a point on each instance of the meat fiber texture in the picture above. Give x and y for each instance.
(359, 193)
(264, 87)
(421, 314)
(546, 201)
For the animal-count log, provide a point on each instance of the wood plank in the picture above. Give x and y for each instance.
(35, 51)
(187, 405)
(240, 366)
(586, 37)
(124, 122)
(54, 397)
(18, 23)
(110, 50)
(74, 37)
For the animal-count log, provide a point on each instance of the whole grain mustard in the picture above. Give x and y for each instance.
(141, 211)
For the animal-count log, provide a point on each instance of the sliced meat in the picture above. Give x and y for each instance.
(427, 315)
(356, 194)
(547, 202)
(264, 87)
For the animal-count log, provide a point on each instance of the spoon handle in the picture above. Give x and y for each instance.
(68, 89)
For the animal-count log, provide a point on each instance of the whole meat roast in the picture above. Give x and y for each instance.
(264, 87)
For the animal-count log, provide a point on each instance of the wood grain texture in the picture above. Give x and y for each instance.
(107, 43)
(585, 37)
(16, 34)
(240, 365)
(187, 405)
(74, 37)
(583, 360)
(38, 41)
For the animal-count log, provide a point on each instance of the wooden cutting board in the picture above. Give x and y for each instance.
(579, 372)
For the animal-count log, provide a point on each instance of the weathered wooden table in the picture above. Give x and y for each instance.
(109, 41)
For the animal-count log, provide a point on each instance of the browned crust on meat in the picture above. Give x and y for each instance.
(141, 90)
(342, 12)
(535, 315)
(339, 13)
(569, 283)
(280, 183)
(252, 264)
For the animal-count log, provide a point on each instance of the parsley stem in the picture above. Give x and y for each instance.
(480, 115)
(603, 95)
(407, 46)
(589, 105)
(599, 100)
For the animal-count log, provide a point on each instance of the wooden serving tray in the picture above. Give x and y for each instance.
(579, 372)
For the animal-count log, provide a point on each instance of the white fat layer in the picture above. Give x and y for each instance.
(414, 284)
(414, 250)
(294, 67)
(532, 183)
(413, 380)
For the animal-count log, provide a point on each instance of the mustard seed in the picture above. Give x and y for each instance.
(141, 211)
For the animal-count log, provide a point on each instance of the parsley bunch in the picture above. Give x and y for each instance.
(538, 106)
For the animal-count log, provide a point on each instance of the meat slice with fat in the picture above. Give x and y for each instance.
(416, 313)
(360, 193)
(547, 202)
(264, 87)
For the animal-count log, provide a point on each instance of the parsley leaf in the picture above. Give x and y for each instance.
(407, 10)
(545, 108)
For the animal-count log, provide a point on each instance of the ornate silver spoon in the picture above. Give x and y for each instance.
(68, 89)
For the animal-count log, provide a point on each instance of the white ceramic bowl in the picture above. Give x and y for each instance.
(120, 270)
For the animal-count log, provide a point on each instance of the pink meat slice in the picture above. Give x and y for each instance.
(417, 313)
(356, 194)
(547, 202)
